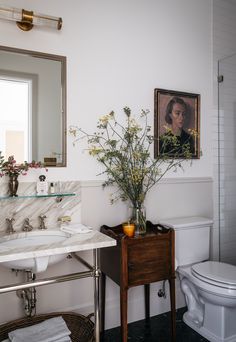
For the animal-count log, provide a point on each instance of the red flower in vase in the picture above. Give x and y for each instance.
(11, 168)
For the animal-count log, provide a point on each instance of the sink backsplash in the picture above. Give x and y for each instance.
(22, 208)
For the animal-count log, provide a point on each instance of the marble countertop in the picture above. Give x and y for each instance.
(72, 243)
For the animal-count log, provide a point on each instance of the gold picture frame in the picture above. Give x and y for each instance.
(188, 111)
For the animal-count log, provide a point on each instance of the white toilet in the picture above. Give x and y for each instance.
(209, 286)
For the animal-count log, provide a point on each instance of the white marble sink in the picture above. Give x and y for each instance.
(33, 240)
(37, 249)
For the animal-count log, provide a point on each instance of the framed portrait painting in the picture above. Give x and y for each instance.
(179, 113)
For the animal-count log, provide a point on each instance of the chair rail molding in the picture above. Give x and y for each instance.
(182, 180)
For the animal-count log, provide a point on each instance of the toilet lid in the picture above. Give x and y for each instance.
(217, 273)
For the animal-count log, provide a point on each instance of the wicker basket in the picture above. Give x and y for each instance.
(81, 327)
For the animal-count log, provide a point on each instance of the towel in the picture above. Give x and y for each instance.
(51, 330)
(77, 228)
(64, 339)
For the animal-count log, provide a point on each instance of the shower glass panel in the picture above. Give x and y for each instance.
(227, 158)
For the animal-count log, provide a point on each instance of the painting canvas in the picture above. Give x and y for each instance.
(179, 112)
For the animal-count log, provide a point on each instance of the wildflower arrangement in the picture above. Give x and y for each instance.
(124, 151)
(11, 168)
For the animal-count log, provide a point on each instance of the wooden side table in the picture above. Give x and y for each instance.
(138, 261)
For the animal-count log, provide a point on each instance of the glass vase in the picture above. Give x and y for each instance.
(137, 215)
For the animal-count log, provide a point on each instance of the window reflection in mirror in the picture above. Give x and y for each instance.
(32, 106)
(16, 118)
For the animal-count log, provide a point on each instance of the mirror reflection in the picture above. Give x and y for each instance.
(32, 106)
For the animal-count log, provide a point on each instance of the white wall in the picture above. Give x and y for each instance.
(117, 53)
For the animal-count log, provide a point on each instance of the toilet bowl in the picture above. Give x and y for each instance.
(209, 286)
(210, 292)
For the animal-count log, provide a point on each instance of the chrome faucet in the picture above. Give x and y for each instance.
(10, 229)
(27, 227)
(42, 222)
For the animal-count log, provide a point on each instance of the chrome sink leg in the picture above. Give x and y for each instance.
(96, 295)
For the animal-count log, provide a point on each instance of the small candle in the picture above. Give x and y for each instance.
(128, 229)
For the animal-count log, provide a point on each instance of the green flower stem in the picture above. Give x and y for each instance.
(124, 152)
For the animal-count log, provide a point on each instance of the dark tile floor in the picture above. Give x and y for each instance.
(156, 330)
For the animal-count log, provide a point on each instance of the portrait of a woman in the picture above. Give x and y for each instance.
(176, 115)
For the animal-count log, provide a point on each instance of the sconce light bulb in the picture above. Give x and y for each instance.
(48, 21)
(24, 17)
(13, 14)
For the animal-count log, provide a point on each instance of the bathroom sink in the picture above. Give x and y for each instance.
(32, 241)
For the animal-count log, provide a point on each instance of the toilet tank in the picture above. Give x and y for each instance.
(192, 238)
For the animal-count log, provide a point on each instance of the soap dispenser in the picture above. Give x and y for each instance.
(52, 188)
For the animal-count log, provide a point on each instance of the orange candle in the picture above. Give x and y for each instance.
(128, 229)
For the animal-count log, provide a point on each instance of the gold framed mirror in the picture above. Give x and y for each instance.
(33, 106)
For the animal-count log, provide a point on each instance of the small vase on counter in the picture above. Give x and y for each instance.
(13, 185)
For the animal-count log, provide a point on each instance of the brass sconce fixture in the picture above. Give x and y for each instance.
(26, 20)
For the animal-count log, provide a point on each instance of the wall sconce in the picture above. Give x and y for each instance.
(25, 19)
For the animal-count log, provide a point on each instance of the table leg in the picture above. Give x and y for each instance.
(173, 312)
(96, 295)
(103, 301)
(123, 313)
(147, 300)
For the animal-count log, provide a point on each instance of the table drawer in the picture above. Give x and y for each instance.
(149, 261)
(150, 272)
(150, 250)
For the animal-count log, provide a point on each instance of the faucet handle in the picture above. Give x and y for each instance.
(9, 222)
(42, 222)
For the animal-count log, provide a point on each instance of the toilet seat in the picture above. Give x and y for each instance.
(216, 273)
